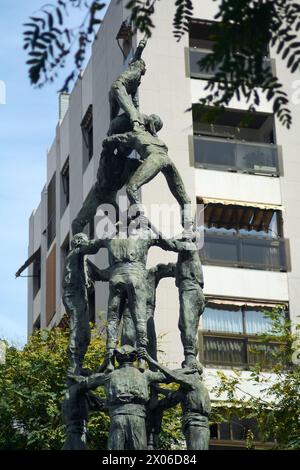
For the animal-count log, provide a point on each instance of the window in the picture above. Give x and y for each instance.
(51, 205)
(202, 37)
(243, 236)
(233, 434)
(37, 324)
(65, 186)
(87, 137)
(229, 334)
(51, 285)
(234, 124)
(235, 140)
(65, 248)
(201, 34)
(36, 276)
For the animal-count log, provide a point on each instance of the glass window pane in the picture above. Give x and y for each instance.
(195, 70)
(262, 253)
(224, 351)
(225, 431)
(222, 320)
(257, 158)
(264, 354)
(220, 249)
(212, 152)
(256, 322)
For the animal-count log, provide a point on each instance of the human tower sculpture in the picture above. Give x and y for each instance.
(130, 374)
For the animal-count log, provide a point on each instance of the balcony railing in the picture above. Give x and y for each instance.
(244, 252)
(196, 72)
(233, 155)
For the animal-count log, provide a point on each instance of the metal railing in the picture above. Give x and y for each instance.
(234, 155)
(244, 251)
(197, 72)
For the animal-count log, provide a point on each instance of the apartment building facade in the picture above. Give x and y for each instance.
(247, 176)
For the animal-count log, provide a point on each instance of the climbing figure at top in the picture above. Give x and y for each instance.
(123, 91)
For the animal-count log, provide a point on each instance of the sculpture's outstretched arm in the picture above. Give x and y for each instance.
(171, 375)
(140, 49)
(97, 274)
(89, 383)
(171, 399)
(92, 247)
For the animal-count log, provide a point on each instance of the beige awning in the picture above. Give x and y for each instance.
(245, 303)
(232, 202)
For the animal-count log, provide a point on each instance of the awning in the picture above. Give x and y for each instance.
(236, 303)
(231, 202)
(235, 215)
(35, 257)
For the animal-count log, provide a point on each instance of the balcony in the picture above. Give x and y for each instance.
(244, 251)
(234, 155)
(196, 71)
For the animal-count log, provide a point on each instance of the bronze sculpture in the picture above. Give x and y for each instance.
(132, 393)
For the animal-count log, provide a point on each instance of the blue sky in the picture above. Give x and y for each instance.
(27, 126)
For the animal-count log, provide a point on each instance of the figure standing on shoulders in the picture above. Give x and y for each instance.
(75, 298)
(189, 280)
(154, 159)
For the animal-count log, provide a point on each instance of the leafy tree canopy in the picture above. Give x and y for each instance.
(276, 407)
(32, 386)
(243, 31)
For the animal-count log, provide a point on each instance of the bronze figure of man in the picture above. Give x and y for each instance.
(75, 297)
(123, 91)
(189, 280)
(127, 394)
(195, 404)
(154, 159)
(154, 276)
(128, 280)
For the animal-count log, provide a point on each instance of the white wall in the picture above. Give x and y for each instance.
(290, 183)
(237, 186)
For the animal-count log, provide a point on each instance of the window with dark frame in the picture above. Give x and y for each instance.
(87, 137)
(65, 248)
(233, 434)
(202, 37)
(229, 335)
(235, 140)
(51, 211)
(37, 324)
(36, 276)
(65, 186)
